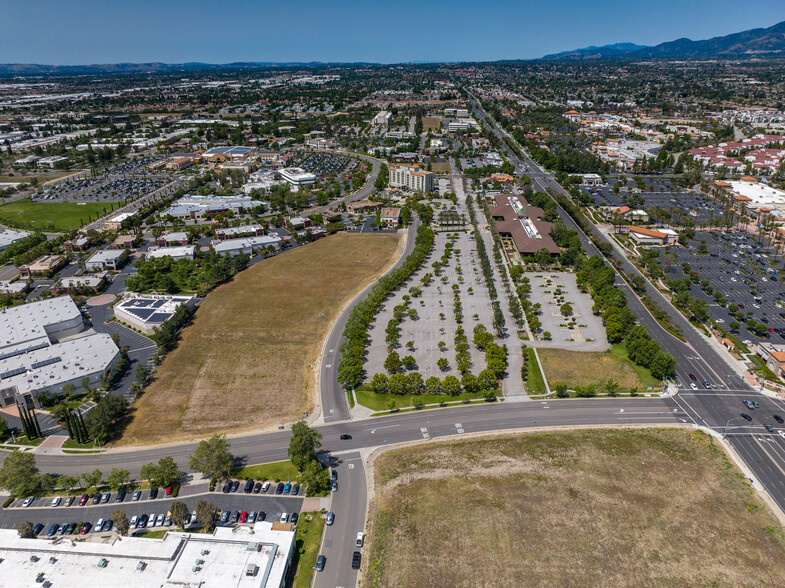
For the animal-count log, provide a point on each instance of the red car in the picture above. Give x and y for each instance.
(85, 528)
(244, 516)
(83, 500)
(169, 490)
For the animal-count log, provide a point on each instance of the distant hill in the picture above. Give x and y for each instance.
(768, 42)
(33, 69)
(593, 52)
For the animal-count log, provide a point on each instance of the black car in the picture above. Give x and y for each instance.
(279, 488)
(345, 437)
(120, 495)
(320, 561)
(153, 492)
(334, 475)
(97, 498)
(235, 485)
(257, 488)
(235, 516)
(769, 428)
(38, 528)
(778, 418)
(261, 516)
(295, 489)
(227, 487)
(249, 486)
(107, 526)
(746, 417)
(293, 518)
(70, 528)
(356, 560)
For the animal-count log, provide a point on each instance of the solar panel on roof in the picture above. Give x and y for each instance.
(159, 317)
(44, 362)
(141, 313)
(12, 373)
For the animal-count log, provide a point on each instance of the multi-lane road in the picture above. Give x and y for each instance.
(763, 452)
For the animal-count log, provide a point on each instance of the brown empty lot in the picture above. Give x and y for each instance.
(431, 123)
(247, 361)
(648, 507)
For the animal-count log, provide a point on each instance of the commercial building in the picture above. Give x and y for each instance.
(383, 118)
(257, 556)
(52, 161)
(591, 180)
(390, 217)
(42, 266)
(106, 259)
(173, 239)
(116, 222)
(78, 284)
(461, 125)
(644, 236)
(241, 231)
(297, 176)
(79, 244)
(363, 206)
(178, 252)
(219, 154)
(517, 220)
(40, 350)
(247, 245)
(124, 242)
(179, 163)
(774, 356)
(146, 312)
(456, 112)
(196, 207)
(411, 177)
(11, 236)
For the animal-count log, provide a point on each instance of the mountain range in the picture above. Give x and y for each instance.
(35, 69)
(768, 42)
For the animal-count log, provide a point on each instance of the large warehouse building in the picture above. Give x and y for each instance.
(246, 557)
(40, 350)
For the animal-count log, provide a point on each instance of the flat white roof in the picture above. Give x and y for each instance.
(758, 192)
(175, 252)
(168, 562)
(121, 217)
(9, 236)
(104, 255)
(244, 243)
(239, 230)
(25, 325)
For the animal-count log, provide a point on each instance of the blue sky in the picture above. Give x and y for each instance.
(66, 32)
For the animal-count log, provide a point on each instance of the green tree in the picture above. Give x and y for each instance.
(561, 391)
(443, 364)
(5, 431)
(379, 383)
(120, 520)
(92, 479)
(393, 362)
(68, 389)
(143, 372)
(205, 514)
(316, 478)
(68, 481)
(433, 385)
(117, 478)
(25, 530)
(179, 513)
(164, 473)
(451, 386)
(303, 444)
(547, 335)
(662, 365)
(19, 474)
(212, 457)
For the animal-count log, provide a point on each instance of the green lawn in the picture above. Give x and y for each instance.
(308, 538)
(55, 216)
(620, 350)
(22, 440)
(534, 381)
(151, 534)
(376, 401)
(278, 471)
(762, 367)
(74, 444)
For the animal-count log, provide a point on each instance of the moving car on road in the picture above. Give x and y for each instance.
(356, 560)
(330, 518)
(345, 437)
(320, 561)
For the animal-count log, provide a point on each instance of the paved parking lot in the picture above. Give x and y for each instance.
(742, 271)
(272, 505)
(553, 289)
(324, 164)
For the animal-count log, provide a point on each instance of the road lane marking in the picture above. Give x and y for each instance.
(384, 427)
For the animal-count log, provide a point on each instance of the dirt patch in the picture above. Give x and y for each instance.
(595, 507)
(248, 360)
(431, 123)
(585, 368)
(441, 167)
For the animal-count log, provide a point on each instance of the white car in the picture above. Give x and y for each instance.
(693, 386)
(56, 501)
(98, 524)
(265, 486)
(159, 521)
(284, 517)
(151, 520)
(192, 521)
(360, 539)
(28, 501)
(134, 521)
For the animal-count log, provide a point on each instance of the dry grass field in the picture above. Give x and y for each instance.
(247, 361)
(431, 123)
(646, 507)
(584, 368)
(441, 167)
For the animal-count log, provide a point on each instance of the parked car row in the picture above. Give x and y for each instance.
(100, 497)
(102, 525)
(252, 487)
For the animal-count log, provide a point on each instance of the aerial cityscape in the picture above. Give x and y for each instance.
(361, 309)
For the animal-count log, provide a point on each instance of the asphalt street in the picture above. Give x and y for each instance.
(349, 507)
(335, 406)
